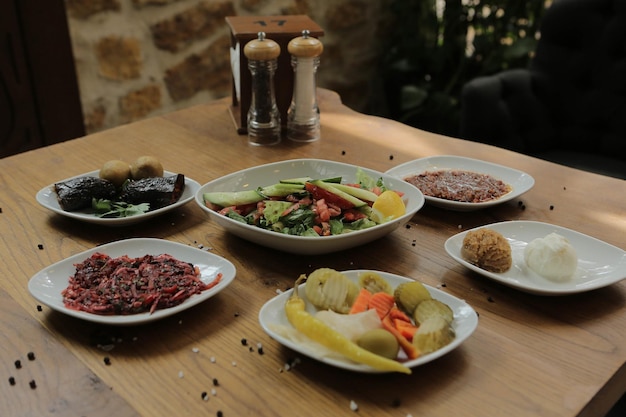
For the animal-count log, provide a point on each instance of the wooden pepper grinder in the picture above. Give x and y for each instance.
(263, 115)
(303, 116)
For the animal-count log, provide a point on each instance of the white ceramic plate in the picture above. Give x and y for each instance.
(599, 264)
(48, 198)
(264, 175)
(47, 284)
(519, 181)
(272, 314)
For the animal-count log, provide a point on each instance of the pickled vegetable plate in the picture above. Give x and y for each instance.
(272, 314)
(48, 198)
(263, 175)
(47, 284)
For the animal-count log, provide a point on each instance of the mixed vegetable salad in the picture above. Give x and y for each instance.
(312, 207)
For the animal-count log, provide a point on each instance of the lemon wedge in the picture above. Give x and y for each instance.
(388, 206)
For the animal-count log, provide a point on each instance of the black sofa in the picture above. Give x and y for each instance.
(569, 106)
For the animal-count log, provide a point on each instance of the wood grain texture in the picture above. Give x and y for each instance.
(531, 355)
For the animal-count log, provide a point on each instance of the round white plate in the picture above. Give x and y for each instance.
(599, 264)
(47, 284)
(264, 175)
(48, 198)
(272, 314)
(519, 181)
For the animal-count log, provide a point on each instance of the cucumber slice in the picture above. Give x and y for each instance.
(332, 188)
(360, 193)
(282, 190)
(274, 209)
(301, 180)
(334, 180)
(235, 198)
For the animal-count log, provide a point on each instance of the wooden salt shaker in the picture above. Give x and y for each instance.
(263, 115)
(303, 116)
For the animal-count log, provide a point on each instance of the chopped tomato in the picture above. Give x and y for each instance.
(319, 194)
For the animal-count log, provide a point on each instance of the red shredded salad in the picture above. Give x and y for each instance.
(123, 285)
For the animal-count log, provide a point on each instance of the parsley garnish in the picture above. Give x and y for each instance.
(108, 208)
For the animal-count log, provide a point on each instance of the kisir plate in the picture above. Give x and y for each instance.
(520, 182)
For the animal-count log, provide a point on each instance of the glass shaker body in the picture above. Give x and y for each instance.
(263, 116)
(303, 117)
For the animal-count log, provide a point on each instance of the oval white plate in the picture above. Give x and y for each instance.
(519, 181)
(264, 175)
(599, 264)
(48, 198)
(273, 314)
(47, 284)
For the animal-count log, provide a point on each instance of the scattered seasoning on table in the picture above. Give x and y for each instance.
(551, 207)
(490, 299)
(11, 380)
(40, 246)
(220, 414)
(233, 363)
(343, 152)
(260, 350)
(395, 403)
(414, 242)
(31, 356)
(0, 209)
(251, 349)
(236, 314)
(353, 406)
(181, 374)
(195, 350)
(216, 382)
(523, 207)
(18, 364)
(212, 359)
(244, 341)
(32, 384)
(391, 157)
(408, 226)
(39, 308)
(107, 360)
(205, 396)
(520, 203)
(443, 284)
(213, 392)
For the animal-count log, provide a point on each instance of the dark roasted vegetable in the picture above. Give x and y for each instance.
(77, 193)
(157, 191)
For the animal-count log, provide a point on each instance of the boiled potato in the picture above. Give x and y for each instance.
(146, 167)
(115, 171)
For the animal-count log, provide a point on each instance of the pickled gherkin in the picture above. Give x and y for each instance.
(328, 289)
(433, 334)
(409, 294)
(374, 283)
(432, 308)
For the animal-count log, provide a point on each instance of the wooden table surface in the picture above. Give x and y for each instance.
(530, 355)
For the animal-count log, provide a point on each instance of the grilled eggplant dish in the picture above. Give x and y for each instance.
(105, 198)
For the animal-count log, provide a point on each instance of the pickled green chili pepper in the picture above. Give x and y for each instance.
(319, 332)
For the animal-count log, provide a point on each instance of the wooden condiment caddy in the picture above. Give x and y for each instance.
(280, 29)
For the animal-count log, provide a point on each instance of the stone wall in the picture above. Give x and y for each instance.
(140, 58)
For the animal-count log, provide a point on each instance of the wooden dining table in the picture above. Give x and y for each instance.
(530, 355)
